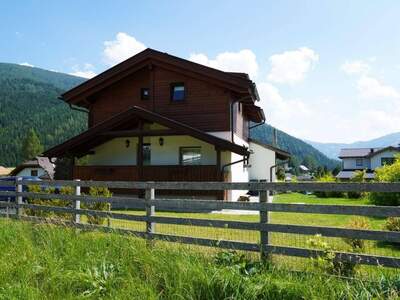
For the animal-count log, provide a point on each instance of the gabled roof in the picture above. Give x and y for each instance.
(38, 162)
(280, 154)
(364, 152)
(94, 137)
(238, 82)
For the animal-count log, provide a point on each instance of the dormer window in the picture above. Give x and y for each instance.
(144, 93)
(177, 92)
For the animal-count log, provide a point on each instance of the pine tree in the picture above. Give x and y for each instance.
(31, 146)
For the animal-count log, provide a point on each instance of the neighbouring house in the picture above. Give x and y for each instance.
(5, 171)
(368, 159)
(40, 167)
(157, 117)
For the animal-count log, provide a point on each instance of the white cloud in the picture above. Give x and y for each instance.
(120, 49)
(26, 64)
(370, 87)
(292, 66)
(243, 61)
(355, 67)
(85, 71)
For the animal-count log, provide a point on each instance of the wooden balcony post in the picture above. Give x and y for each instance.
(264, 235)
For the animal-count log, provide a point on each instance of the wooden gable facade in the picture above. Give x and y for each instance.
(209, 93)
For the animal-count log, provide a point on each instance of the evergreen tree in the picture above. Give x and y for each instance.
(31, 146)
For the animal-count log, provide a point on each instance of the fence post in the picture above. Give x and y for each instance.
(150, 210)
(264, 235)
(18, 198)
(77, 202)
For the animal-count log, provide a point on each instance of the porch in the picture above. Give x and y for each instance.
(199, 173)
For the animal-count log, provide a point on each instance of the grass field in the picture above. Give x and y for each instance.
(49, 262)
(294, 240)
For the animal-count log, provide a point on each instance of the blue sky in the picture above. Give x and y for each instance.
(326, 71)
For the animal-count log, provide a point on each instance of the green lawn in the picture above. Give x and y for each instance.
(293, 240)
(55, 262)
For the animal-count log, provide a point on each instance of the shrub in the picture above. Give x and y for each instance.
(49, 202)
(327, 262)
(392, 224)
(387, 173)
(102, 206)
(328, 194)
(357, 223)
(358, 177)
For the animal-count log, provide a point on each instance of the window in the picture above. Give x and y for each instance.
(359, 162)
(387, 161)
(177, 92)
(34, 173)
(144, 93)
(190, 156)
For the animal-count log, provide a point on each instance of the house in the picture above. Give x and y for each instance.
(41, 167)
(368, 159)
(157, 117)
(5, 171)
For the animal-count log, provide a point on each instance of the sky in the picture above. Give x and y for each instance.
(326, 71)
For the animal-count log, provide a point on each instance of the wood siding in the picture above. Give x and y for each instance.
(206, 106)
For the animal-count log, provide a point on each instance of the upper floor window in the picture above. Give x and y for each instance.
(177, 92)
(387, 161)
(144, 93)
(190, 156)
(359, 162)
(34, 173)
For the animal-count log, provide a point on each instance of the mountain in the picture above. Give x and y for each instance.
(332, 149)
(299, 149)
(29, 99)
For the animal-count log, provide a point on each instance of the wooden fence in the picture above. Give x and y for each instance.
(264, 227)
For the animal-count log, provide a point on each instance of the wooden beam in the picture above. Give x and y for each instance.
(138, 132)
(140, 152)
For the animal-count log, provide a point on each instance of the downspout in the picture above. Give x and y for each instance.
(274, 166)
(74, 107)
(245, 159)
(241, 100)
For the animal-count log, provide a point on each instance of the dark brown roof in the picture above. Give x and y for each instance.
(280, 154)
(89, 139)
(238, 82)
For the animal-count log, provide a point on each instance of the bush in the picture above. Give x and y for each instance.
(328, 194)
(358, 177)
(102, 206)
(357, 223)
(327, 261)
(387, 173)
(392, 224)
(49, 202)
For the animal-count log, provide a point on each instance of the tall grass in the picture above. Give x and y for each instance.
(49, 262)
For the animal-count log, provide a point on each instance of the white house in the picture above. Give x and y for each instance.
(40, 167)
(368, 159)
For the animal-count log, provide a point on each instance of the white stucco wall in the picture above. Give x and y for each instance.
(261, 160)
(27, 172)
(376, 159)
(115, 152)
(350, 164)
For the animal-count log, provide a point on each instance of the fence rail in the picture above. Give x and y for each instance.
(264, 227)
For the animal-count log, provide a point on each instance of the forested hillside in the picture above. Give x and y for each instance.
(300, 150)
(29, 99)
